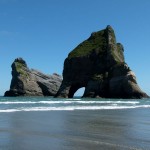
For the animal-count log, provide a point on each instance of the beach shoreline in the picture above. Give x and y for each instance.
(79, 129)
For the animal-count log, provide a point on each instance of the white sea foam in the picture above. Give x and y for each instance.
(70, 102)
(9, 110)
(74, 99)
(18, 102)
(108, 102)
(71, 108)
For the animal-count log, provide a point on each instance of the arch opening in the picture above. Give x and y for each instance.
(79, 92)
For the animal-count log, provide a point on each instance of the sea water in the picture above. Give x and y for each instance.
(46, 123)
(13, 104)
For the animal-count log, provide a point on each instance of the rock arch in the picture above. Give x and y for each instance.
(98, 65)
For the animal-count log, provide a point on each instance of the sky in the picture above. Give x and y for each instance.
(43, 32)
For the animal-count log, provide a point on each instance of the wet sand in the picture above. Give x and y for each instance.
(124, 129)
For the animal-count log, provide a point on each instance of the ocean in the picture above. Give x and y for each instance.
(46, 123)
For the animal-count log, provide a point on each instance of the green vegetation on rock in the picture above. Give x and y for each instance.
(96, 40)
(20, 70)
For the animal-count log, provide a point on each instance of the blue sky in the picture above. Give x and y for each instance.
(43, 32)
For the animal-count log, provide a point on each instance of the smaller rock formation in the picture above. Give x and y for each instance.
(26, 82)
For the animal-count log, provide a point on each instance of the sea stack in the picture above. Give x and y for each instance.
(26, 82)
(98, 64)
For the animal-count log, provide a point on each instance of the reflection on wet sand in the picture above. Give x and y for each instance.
(72, 130)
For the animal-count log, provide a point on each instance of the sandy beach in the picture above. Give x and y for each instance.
(126, 129)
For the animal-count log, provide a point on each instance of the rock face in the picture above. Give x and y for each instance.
(26, 82)
(98, 64)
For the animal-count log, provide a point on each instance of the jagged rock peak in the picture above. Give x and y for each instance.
(20, 60)
(98, 64)
(30, 82)
(109, 28)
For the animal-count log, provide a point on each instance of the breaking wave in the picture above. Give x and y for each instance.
(71, 108)
(70, 102)
(52, 104)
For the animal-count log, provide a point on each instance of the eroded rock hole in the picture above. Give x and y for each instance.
(79, 92)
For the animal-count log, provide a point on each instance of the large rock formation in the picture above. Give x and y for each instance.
(26, 82)
(98, 64)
